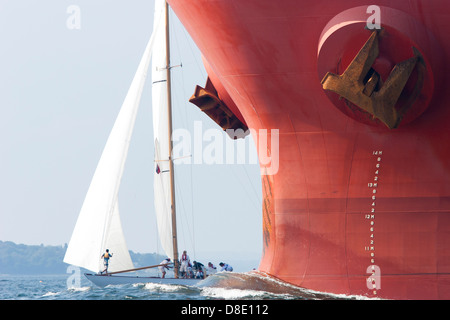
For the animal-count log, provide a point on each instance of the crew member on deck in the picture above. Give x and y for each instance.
(184, 263)
(106, 256)
(211, 269)
(164, 266)
(225, 267)
(199, 270)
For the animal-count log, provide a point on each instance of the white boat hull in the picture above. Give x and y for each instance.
(103, 280)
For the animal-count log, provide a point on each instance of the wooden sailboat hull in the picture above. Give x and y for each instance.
(98, 226)
(102, 280)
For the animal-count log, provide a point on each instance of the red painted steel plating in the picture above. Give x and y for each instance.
(355, 208)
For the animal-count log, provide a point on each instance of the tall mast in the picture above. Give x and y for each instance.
(171, 170)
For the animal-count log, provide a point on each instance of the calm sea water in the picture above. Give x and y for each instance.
(226, 286)
(229, 295)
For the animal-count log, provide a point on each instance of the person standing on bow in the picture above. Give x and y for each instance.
(106, 256)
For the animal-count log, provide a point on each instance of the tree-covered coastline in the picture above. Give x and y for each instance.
(43, 259)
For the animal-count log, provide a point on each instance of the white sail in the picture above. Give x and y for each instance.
(161, 135)
(98, 226)
(114, 240)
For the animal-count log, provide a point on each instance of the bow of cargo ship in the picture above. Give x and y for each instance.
(357, 93)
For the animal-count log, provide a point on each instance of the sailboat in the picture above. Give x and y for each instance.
(98, 226)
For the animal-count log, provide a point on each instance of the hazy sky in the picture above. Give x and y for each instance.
(60, 92)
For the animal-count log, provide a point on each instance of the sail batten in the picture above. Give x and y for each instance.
(98, 226)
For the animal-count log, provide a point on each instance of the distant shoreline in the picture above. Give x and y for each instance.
(22, 259)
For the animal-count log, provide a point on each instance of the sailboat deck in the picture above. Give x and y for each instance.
(103, 280)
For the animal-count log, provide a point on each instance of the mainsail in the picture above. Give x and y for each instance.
(98, 226)
(162, 190)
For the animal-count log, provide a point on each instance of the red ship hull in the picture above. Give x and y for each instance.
(355, 207)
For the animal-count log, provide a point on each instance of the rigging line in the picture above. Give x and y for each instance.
(187, 42)
(192, 206)
(185, 221)
(258, 196)
(197, 63)
(179, 94)
(186, 115)
(244, 166)
(186, 125)
(185, 212)
(245, 189)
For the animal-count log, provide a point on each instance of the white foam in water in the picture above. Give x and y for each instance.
(313, 292)
(49, 294)
(162, 287)
(290, 292)
(237, 294)
(230, 294)
(79, 289)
